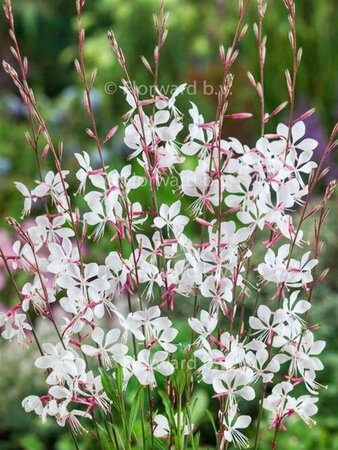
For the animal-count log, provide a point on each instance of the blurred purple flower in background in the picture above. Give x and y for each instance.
(317, 131)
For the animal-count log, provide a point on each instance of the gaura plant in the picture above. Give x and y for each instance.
(118, 328)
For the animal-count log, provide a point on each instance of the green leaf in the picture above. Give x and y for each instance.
(119, 377)
(110, 389)
(168, 407)
(118, 436)
(196, 440)
(160, 444)
(212, 420)
(134, 410)
(199, 402)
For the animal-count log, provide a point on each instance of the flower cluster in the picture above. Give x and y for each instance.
(243, 285)
(258, 187)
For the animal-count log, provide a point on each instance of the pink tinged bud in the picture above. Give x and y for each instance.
(14, 53)
(330, 189)
(203, 222)
(278, 109)
(323, 275)
(251, 79)
(299, 56)
(93, 76)
(222, 53)
(28, 138)
(314, 327)
(307, 114)
(259, 90)
(90, 133)
(87, 102)
(147, 65)
(243, 32)
(44, 153)
(78, 67)
(323, 173)
(239, 116)
(291, 40)
(110, 134)
(289, 83)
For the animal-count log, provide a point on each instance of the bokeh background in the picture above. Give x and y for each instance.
(47, 32)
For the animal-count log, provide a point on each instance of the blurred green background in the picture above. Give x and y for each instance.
(47, 32)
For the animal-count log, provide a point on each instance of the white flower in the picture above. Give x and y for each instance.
(73, 279)
(234, 383)
(37, 295)
(199, 184)
(231, 433)
(259, 360)
(220, 291)
(205, 325)
(170, 217)
(267, 324)
(33, 403)
(277, 401)
(60, 361)
(274, 269)
(61, 255)
(293, 308)
(210, 357)
(163, 102)
(162, 428)
(149, 274)
(108, 349)
(146, 365)
(300, 272)
(15, 327)
(83, 173)
(27, 195)
(199, 135)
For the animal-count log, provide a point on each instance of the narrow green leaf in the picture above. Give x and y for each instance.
(134, 411)
(110, 389)
(196, 440)
(168, 407)
(212, 420)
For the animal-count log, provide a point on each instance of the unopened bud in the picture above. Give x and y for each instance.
(222, 53)
(239, 116)
(110, 134)
(307, 114)
(147, 65)
(251, 79)
(299, 56)
(330, 189)
(93, 76)
(243, 32)
(90, 133)
(278, 109)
